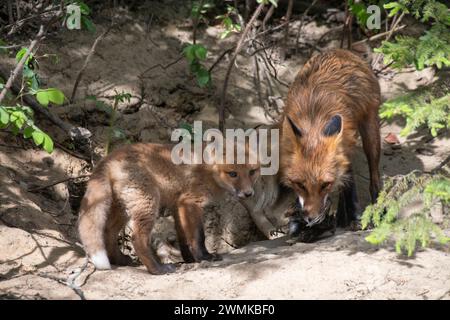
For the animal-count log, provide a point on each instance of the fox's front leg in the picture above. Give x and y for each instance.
(191, 236)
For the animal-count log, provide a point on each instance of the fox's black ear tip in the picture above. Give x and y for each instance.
(294, 127)
(334, 126)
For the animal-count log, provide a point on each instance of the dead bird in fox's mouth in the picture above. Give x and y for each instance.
(301, 229)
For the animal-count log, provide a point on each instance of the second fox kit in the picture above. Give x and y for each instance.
(134, 183)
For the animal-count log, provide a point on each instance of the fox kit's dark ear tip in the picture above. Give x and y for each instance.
(333, 127)
(294, 127)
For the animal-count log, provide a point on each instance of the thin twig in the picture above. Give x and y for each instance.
(86, 62)
(58, 182)
(164, 67)
(19, 67)
(286, 29)
(231, 63)
(196, 22)
(377, 36)
(302, 20)
(219, 58)
(267, 16)
(72, 153)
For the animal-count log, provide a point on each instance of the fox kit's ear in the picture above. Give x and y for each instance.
(294, 127)
(333, 127)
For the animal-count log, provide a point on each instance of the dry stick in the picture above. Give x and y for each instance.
(377, 36)
(10, 12)
(196, 22)
(302, 20)
(164, 67)
(267, 16)
(231, 63)
(21, 63)
(88, 59)
(350, 35)
(219, 58)
(18, 10)
(57, 182)
(286, 29)
(441, 165)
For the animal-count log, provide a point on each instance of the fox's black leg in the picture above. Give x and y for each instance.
(370, 136)
(348, 207)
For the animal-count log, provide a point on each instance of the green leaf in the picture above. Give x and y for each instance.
(38, 137)
(224, 34)
(52, 95)
(4, 116)
(87, 23)
(48, 143)
(27, 132)
(42, 97)
(20, 54)
(84, 8)
(55, 96)
(200, 52)
(27, 72)
(189, 52)
(203, 77)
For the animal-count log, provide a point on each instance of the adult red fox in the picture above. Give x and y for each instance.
(135, 182)
(334, 96)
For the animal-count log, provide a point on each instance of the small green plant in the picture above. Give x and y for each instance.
(200, 8)
(228, 23)
(419, 108)
(19, 118)
(195, 54)
(114, 131)
(417, 227)
(430, 49)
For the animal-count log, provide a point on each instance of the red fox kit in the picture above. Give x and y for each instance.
(334, 96)
(134, 182)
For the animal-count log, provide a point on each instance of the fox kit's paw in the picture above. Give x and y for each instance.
(211, 257)
(164, 269)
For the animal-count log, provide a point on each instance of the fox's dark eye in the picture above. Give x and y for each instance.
(232, 174)
(252, 172)
(301, 186)
(325, 185)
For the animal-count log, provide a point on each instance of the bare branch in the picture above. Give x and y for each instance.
(286, 29)
(302, 20)
(231, 63)
(86, 62)
(19, 67)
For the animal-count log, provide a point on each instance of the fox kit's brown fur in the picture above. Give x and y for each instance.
(334, 96)
(135, 182)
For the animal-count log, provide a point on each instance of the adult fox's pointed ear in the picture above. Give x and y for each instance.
(333, 127)
(294, 127)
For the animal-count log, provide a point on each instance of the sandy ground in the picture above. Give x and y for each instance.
(40, 257)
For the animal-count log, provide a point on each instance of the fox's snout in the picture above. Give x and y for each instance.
(245, 193)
